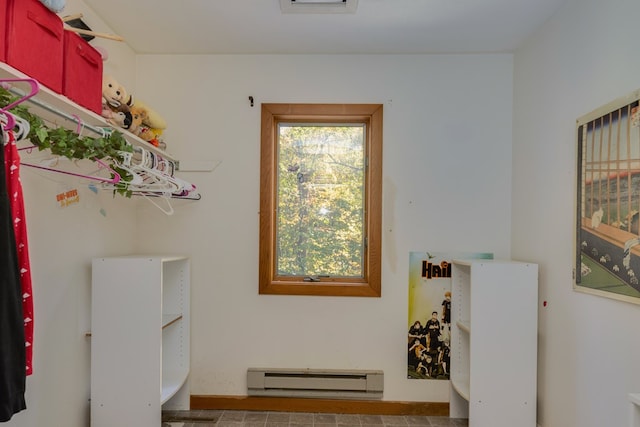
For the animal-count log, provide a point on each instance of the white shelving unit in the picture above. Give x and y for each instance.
(140, 338)
(494, 317)
(59, 110)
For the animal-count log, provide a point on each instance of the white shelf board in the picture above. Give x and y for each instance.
(46, 100)
(168, 319)
(172, 381)
(461, 386)
(199, 165)
(464, 326)
(162, 258)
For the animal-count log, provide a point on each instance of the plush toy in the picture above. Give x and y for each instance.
(114, 94)
(149, 135)
(152, 119)
(152, 123)
(137, 117)
(116, 99)
(54, 5)
(118, 118)
(115, 103)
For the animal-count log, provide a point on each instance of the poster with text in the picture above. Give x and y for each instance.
(429, 327)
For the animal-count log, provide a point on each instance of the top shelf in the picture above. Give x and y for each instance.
(61, 111)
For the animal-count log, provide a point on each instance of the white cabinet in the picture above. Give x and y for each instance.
(139, 338)
(494, 318)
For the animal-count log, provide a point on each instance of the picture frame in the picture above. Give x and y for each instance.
(607, 245)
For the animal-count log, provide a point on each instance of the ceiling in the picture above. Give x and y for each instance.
(377, 26)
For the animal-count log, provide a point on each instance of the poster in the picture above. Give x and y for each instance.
(607, 232)
(429, 328)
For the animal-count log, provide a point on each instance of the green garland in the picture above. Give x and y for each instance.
(69, 144)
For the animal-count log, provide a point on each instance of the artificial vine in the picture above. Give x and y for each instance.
(69, 144)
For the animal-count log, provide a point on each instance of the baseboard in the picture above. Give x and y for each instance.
(373, 407)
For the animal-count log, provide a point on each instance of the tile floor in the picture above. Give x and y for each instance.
(223, 418)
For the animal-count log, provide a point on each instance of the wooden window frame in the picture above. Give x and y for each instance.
(370, 114)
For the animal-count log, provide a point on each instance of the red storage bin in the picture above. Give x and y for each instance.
(34, 41)
(82, 72)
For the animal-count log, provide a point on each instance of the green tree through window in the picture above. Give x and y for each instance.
(320, 199)
(320, 220)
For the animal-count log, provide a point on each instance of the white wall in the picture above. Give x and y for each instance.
(586, 56)
(62, 242)
(447, 186)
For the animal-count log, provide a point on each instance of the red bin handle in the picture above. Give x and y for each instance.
(43, 22)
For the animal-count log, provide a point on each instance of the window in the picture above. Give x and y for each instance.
(321, 199)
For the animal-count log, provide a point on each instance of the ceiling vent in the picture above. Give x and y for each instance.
(318, 6)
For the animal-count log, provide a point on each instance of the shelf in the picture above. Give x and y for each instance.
(172, 381)
(493, 383)
(466, 262)
(170, 319)
(61, 111)
(634, 398)
(461, 386)
(464, 326)
(138, 371)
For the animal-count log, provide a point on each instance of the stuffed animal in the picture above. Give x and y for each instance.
(114, 94)
(152, 136)
(120, 116)
(115, 103)
(152, 119)
(152, 123)
(54, 5)
(116, 99)
(137, 117)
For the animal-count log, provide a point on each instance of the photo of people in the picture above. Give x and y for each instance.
(429, 320)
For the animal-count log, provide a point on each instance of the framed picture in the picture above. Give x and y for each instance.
(608, 201)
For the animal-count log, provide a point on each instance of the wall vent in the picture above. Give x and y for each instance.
(318, 6)
(315, 383)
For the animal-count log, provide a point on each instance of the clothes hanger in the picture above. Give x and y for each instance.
(112, 180)
(21, 128)
(35, 88)
(151, 177)
(167, 168)
(150, 196)
(154, 180)
(143, 178)
(191, 196)
(168, 210)
(125, 165)
(9, 120)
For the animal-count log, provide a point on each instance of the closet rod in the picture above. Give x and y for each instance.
(51, 106)
(62, 114)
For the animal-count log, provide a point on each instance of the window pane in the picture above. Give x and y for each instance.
(320, 195)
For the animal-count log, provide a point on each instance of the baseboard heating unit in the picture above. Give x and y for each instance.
(315, 383)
